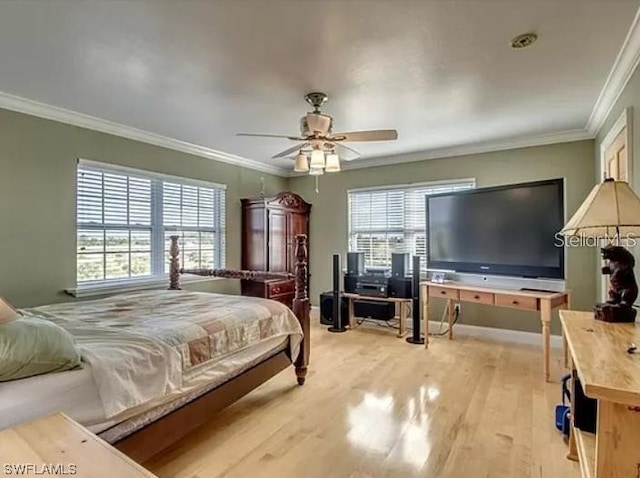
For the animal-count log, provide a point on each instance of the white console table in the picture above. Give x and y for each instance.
(538, 301)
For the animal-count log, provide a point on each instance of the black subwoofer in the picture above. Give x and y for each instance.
(374, 309)
(368, 309)
(326, 309)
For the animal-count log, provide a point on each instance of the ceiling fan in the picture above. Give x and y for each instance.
(319, 149)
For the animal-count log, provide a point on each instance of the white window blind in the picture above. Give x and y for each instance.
(387, 220)
(125, 218)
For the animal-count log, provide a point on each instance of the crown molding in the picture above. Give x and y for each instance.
(42, 110)
(475, 148)
(622, 70)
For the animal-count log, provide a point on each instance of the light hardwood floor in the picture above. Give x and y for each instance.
(375, 406)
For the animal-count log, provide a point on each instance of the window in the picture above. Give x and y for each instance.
(387, 220)
(125, 218)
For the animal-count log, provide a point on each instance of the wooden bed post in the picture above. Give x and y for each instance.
(301, 306)
(174, 264)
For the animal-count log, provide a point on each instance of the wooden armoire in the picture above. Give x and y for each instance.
(269, 228)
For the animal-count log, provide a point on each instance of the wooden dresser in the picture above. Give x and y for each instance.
(269, 228)
(611, 375)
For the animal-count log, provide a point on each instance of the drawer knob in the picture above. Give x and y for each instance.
(276, 290)
(476, 297)
(515, 302)
(443, 292)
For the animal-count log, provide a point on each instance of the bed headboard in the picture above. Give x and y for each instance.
(300, 301)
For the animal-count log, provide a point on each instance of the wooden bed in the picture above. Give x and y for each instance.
(160, 434)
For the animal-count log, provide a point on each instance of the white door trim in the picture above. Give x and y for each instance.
(625, 119)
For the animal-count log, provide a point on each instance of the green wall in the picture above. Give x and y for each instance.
(37, 204)
(37, 200)
(573, 161)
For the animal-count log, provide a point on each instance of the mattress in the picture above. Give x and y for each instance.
(76, 394)
(144, 346)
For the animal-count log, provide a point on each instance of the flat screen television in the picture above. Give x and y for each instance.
(506, 230)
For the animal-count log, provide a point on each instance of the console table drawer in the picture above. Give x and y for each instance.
(443, 292)
(478, 297)
(517, 301)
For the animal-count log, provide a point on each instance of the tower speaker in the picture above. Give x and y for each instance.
(399, 264)
(415, 336)
(355, 263)
(337, 315)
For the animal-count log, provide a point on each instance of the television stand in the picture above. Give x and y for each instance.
(402, 306)
(543, 302)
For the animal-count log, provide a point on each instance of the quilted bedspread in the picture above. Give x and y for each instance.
(144, 345)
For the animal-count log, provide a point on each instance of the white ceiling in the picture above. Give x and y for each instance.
(440, 72)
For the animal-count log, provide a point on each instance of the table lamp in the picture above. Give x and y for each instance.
(611, 212)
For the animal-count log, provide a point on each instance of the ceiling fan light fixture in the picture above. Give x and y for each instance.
(317, 159)
(317, 144)
(302, 163)
(333, 163)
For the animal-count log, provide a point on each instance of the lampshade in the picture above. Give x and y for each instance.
(333, 163)
(610, 208)
(316, 171)
(317, 159)
(302, 163)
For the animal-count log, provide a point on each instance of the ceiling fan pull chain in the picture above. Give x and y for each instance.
(317, 190)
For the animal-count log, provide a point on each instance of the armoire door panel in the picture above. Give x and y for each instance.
(277, 245)
(254, 250)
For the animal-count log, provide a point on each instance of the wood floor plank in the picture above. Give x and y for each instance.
(375, 406)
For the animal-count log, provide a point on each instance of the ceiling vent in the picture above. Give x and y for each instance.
(523, 41)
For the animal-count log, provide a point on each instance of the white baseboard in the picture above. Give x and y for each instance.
(502, 335)
(491, 333)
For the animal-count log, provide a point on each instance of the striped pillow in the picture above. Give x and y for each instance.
(7, 312)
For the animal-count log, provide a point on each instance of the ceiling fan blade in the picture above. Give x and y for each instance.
(344, 152)
(259, 135)
(374, 135)
(288, 151)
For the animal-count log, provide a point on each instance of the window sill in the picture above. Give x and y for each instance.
(94, 290)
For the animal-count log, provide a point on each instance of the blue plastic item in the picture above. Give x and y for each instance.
(563, 412)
